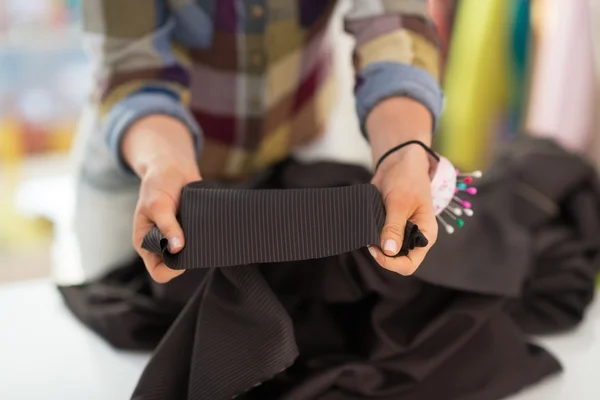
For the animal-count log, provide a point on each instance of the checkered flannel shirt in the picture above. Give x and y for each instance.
(252, 80)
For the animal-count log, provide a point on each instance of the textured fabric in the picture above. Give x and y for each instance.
(538, 206)
(296, 224)
(341, 327)
(535, 191)
(125, 308)
(337, 327)
(379, 75)
(255, 75)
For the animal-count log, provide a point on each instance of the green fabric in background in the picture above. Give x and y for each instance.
(519, 64)
(477, 82)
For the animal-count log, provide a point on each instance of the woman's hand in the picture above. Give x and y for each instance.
(404, 183)
(160, 150)
(403, 180)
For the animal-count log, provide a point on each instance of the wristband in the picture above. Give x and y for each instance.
(400, 146)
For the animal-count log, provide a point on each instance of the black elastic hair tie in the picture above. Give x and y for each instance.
(396, 148)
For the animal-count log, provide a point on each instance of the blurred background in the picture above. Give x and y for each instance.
(44, 81)
(513, 67)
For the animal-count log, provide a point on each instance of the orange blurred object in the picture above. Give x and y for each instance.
(11, 147)
(34, 137)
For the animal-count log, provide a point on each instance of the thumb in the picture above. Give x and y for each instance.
(398, 211)
(168, 225)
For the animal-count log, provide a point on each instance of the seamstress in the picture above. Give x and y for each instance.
(193, 89)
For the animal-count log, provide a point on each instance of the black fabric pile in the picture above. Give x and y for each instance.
(339, 327)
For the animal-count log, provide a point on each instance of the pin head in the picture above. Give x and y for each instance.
(445, 189)
(455, 210)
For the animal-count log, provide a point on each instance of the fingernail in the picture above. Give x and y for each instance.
(373, 253)
(391, 247)
(175, 244)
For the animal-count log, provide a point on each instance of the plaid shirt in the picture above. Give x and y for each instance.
(252, 79)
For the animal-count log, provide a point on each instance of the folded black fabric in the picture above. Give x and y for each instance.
(226, 227)
(340, 327)
(336, 327)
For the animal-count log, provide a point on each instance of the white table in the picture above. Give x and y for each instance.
(46, 354)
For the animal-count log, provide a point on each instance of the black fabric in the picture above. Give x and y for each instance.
(340, 327)
(535, 237)
(127, 308)
(226, 227)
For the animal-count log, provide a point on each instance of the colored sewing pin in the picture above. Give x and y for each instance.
(447, 185)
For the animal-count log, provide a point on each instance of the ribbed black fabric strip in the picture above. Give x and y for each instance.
(229, 227)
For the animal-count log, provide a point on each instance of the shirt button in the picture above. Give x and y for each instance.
(257, 11)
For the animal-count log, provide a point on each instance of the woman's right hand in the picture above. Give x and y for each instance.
(160, 150)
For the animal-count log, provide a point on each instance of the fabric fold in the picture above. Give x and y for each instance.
(340, 327)
(226, 227)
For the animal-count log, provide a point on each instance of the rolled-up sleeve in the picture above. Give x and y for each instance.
(397, 54)
(139, 71)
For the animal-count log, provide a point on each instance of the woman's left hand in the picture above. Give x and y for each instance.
(403, 180)
(404, 183)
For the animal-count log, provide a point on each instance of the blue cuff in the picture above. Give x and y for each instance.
(140, 105)
(382, 80)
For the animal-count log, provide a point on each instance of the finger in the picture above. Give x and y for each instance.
(425, 220)
(163, 216)
(398, 210)
(154, 263)
(157, 269)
